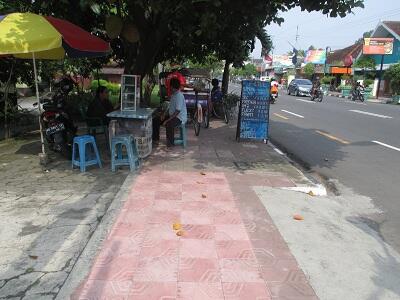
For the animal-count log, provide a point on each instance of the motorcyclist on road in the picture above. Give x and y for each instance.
(316, 86)
(357, 89)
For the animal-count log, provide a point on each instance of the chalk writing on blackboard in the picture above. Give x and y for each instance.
(254, 110)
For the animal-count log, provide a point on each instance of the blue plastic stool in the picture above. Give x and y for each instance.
(132, 157)
(182, 137)
(85, 157)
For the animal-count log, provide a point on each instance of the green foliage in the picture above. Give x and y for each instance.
(366, 34)
(245, 71)
(327, 79)
(113, 89)
(393, 76)
(309, 70)
(210, 62)
(365, 62)
(368, 82)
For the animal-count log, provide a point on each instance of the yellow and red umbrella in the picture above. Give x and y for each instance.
(31, 36)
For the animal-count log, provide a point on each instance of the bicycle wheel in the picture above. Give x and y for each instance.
(226, 113)
(206, 118)
(196, 124)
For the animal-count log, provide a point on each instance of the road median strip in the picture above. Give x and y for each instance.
(332, 137)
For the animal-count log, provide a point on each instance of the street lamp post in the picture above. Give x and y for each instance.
(326, 57)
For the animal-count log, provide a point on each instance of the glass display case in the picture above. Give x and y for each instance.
(130, 92)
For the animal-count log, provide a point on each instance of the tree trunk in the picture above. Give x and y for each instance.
(225, 78)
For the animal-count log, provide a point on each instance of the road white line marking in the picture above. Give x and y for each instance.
(306, 101)
(386, 145)
(369, 114)
(280, 116)
(332, 137)
(291, 113)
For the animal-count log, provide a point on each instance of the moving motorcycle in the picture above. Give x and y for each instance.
(274, 92)
(57, 123)
(358, 94)
(317, 95)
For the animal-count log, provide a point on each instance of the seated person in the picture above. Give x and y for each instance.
(177, 75)
(100, 106)
(216, 93)
(177, 111)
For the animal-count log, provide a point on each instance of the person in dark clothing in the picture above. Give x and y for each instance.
(100, 106)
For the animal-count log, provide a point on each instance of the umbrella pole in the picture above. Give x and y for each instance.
(38, 100)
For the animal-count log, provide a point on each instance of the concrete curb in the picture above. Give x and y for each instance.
(368, 100)
(84, 262)
(313, 189)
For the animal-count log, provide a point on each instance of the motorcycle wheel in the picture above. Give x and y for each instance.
(320, 97)
(196, 124)
(362, 98)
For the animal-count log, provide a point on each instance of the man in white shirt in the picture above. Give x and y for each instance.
(177, 111)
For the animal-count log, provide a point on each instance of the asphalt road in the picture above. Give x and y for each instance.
(356, 143)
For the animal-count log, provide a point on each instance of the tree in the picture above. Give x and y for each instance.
(247, 70)
(210, 62)
(311, 48)
(154, 31)
(309, 70)
(366, 34)
(393, 76)
(365, 62)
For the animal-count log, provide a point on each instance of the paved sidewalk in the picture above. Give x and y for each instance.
(229, 247)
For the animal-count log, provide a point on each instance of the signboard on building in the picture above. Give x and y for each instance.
(380, 46)
(254, 110)
(282, 60)
(317, 57)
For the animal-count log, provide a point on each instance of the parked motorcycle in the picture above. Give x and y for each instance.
(57, 123)
(317, 95)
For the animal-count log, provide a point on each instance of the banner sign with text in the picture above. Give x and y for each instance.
(253, 119)
(380, 46)
(317, 57)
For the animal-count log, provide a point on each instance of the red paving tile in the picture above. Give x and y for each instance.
(227, 251)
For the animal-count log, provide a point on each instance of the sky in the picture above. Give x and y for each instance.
(320, 31)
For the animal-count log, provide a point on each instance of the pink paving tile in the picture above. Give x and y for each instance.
(195, 205)
(225, 205)
(168, 195)
(167, 205)
(240, 270)
(195, 195)
(132, 217)
(227, 217)
(234, 249)
(202, 217)
(138, 204)
(199, 270)
(246, 291)
(197, 186)
(201, 232)
(133, 231)
(157, 269)
(217, 195)
(121, 246)
(102, 290)
(230, 232)
(117, 268)
(197, 248)
(200, 291)
(164, 217)
(157, 232)
(160, 248)
(153, 291)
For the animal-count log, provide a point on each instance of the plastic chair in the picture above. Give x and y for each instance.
(131, 158)
(85, 157)
(182, 137)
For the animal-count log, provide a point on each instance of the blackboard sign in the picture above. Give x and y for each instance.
(254, 110)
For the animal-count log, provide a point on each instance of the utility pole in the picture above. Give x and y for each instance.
(297, 35)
